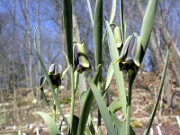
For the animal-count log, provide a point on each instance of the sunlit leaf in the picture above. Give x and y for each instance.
(109, 77)
(115, 106)
(113, 11)
(118, 74)
(103, 109)
(51, 125)
(90, 12)
(148, 22)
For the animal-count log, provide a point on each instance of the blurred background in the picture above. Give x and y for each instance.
(20, 70)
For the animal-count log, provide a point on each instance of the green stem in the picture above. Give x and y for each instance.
(131, 77)
(99, 114)
(122, 20)
(72, 99)
(159, 96)
(54, 107)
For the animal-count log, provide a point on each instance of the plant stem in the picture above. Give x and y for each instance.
(54, 107)
(146, 132)
(99, 114)
(131, 77)
(72, 99)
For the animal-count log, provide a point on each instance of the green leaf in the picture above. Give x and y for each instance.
(103, 109)
(120, 126)
(113, 11)
(76, 76)
(109, 77)
(86, 106)
(64, 72)
(75, 125)
(83, 97)
(146, 132)
(90, 12)
(67, 16)
(42, 82)
(97, 32)
(90, 125)
(89, 121)
(148, 22)
(118, 74)
(51, 125)
(115, 106)
(123, 23)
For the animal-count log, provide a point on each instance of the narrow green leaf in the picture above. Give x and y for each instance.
(120, 127)
(42, 82)
(118, 74)
(115, 106)
(64, 72)
(97, 32)
(146, 132)
(48, 79)
(89, 121)
(51, 125)
(90, 12)
(148, 22)
(67, 15)
(76, 76)
(103, 109)
(90, 125)
(75, 125)
(83, 97)
(122, 21)
(113, 11)
(109, 77)
(97, 40)
(86, 106)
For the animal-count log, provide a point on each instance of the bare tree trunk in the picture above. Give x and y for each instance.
(29, 45)
(39, 72)
(39, 35)
(25, 59)
(25, 13)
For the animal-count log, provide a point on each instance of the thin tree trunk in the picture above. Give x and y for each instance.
(39, 36)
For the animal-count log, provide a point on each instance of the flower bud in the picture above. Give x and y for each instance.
(55, 74)
(132, 54)
(81, 62)
(118, 37)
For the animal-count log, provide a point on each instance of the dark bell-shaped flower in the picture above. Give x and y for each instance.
(118, 37)
(132, 54)
(81, 62)
(54, 73)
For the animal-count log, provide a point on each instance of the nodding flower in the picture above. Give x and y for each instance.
(118, 37)
(81, 62)
(54, 73)
(132, 54)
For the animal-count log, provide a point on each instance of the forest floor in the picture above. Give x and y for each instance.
(16, 115)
